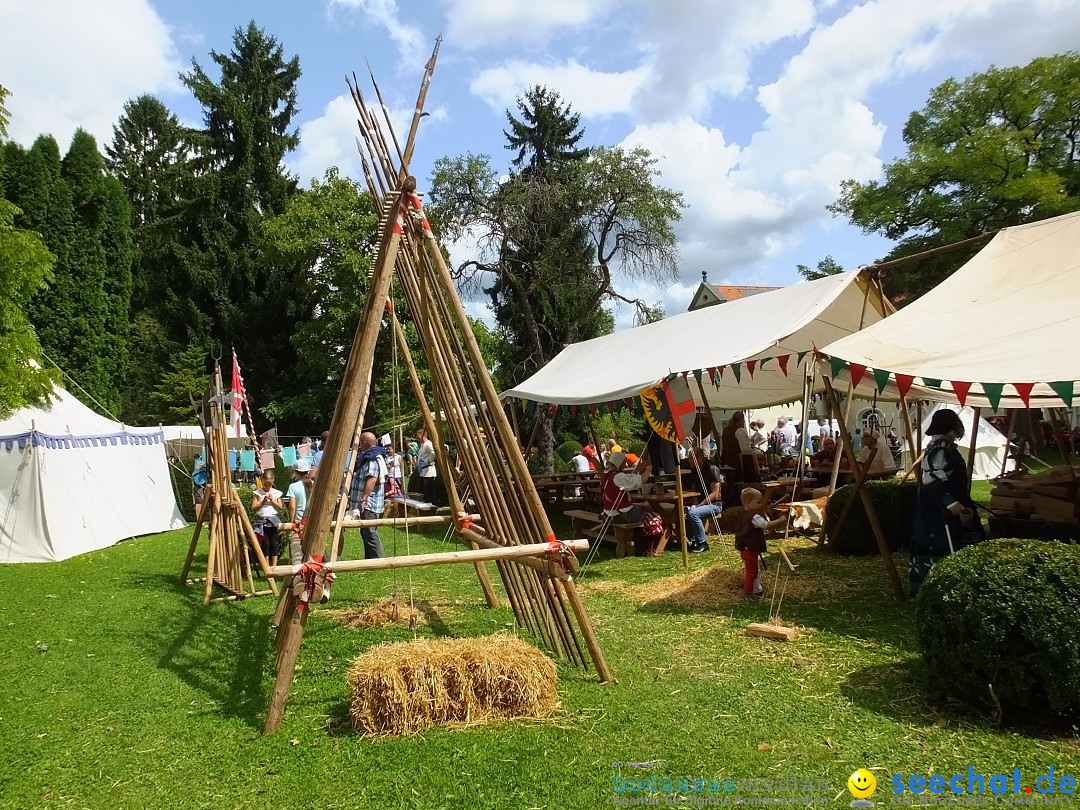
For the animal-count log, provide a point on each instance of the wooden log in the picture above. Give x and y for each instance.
(543, 566)
(419, 520)
(775, 632)
(680, 514)
(587, 630)
(438, 558)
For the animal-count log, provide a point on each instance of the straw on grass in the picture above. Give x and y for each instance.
(386, 612)
(406, 687)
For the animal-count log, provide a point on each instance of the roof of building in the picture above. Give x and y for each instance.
(735, 292)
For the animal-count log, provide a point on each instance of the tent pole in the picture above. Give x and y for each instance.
(907, 426)
(971, 450)
(1008, 441)
(868, 503)
(680, 515)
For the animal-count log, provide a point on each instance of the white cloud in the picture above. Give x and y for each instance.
(75, 64)
(408, 38)
(703, 47)
(590, 92)
(473, 24)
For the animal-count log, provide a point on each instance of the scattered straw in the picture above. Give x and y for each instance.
(716, 586)
(406, 687)
(387, 612)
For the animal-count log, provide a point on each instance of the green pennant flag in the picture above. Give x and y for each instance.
(931, 382)
(736, 369)
(837, 366)
(1064, 390)
(764, 360)
(671, 376)
(993, 393)
(799, 358)
(697, 376)
(881, 377)
(716, 380)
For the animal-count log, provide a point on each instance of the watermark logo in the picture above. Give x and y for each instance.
(862, 785)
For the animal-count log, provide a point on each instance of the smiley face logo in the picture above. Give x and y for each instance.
(862, 784)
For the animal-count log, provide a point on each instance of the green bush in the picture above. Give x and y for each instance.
(567, 450)
(894, 502)
(1005, 614)
(182, 488)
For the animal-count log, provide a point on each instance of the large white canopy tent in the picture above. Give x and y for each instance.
(1004, 325)
(73, 481)
(751, 339)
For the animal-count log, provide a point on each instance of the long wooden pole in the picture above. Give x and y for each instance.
(1008, 441)
(680, 515)
(908, 430)
(416, 520)
(868, 503)
(439, 558)
(974, 447)
(352, 401)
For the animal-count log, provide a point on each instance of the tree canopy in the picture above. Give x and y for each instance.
(1000, 148)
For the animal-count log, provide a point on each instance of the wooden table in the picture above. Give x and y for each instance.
(818, 469)
(655, 501)
(552, 488)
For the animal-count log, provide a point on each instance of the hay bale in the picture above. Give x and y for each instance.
(386, 612)
(406, 687)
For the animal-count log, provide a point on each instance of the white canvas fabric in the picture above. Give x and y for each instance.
(991, 446)
(73, 481)
(782, 322)
(1011, 314)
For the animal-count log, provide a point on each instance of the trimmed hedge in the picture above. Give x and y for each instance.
(567, 450)
(895, 505)
(1006, 614)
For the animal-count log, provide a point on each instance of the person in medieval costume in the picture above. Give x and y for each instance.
(945, 520)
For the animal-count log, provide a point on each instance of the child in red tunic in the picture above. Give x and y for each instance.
(750, 537)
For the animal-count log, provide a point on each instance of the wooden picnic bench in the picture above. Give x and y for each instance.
(590, 524)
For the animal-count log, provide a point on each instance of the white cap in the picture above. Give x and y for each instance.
(302, 465)
(616, 460)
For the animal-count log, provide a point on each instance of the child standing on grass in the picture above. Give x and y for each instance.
(750, 537)
(297, 496)
(266, 501)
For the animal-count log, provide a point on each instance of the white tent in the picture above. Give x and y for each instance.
(741, 336)
(1006, 322)
(72, 481)
(991, 447)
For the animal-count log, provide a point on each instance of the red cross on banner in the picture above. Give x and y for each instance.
(670, 409)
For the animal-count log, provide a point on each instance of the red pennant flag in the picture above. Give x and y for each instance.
(629, 403)
(783, 361)
(1023, 390)
(553, 410)
(712, 372)
(857, 372)
(573, 410)
(611, 407)
(961, 389)
(720, 370)
(592, 409)
(750, 366)
(904, 381)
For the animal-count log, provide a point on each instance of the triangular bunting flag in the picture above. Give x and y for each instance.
(903, 383)
(881, 377)
(736, 369)
(629, 403)
(837, 366)
(524, 403)
(799, 360)
(530, 409)
(961, 389)
(671, 376)
(783, 361)
(592, 409)
(697, 376)
(931, 382)
(1064, 390)
(611, 407)
(554, 409)
(857, 373)
(573, 410)
(750, 366)
(763, 361)
(993, 393)
(1024, 392)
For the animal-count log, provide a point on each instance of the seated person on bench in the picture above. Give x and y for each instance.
(615, 487)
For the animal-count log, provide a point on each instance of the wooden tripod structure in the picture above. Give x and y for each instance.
(541, 589)
(222, 513)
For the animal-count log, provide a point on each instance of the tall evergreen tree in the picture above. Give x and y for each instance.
(224, 291)
(151, 157)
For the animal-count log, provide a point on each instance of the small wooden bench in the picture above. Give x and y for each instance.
(589, 524)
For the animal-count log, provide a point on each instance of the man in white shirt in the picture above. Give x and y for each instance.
(787, 439)
(580, 463)
(425, 463)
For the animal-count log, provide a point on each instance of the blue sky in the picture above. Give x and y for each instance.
(756, 110)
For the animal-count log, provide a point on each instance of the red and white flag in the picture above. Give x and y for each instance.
(240, 399)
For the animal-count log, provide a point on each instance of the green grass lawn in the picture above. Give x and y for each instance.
(119, 689)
